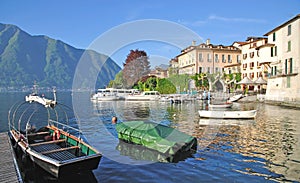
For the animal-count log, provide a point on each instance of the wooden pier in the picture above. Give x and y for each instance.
(9, 171)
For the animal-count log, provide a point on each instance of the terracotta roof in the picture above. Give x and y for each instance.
(284, 24)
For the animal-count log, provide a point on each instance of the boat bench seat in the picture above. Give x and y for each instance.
(61, 149)
(48, 142)
(37, 134)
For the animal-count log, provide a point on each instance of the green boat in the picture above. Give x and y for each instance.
(157, 137)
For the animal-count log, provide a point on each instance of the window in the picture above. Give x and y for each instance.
(223, 58)
(229, 59)
(275, 50)
(217, 69)
(274, 71)
(208, 58)
(238, 59)
(289, 46)
(289, 30)
(200, 70)
(291, 65)
(286, 67)
(208, 70)
(274, 36)
(216, 58)
(200, 57)
(272, 52)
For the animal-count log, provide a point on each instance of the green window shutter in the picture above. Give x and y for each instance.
(291, 65)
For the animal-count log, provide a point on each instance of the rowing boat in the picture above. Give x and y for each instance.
(221, 105)
(42, 132)
(235, 98)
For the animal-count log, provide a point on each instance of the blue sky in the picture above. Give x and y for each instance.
(80, 23)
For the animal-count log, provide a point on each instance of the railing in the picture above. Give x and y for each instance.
(68, 126)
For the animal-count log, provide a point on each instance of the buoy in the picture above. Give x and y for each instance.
(56, 135)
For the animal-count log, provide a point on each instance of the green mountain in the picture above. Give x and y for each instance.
(25, 58)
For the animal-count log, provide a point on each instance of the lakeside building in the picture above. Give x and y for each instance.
(251, 66)
(283, 56)
(205, 58)
(159, 72)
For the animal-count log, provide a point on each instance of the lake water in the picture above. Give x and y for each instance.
(266, 149)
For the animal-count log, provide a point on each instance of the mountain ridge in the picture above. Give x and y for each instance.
(25, 58)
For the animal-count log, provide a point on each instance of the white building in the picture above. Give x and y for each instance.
(283, 54)
(250, 66)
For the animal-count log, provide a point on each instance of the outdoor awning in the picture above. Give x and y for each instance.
(260, 81)
(246, 81)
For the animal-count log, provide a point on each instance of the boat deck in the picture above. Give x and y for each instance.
(9, 170)
(55, 151)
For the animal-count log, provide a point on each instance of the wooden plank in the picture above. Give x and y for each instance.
(38, 133)
(9, 170)
(62, 149)
(48, 142)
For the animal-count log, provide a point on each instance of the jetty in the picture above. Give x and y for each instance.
(9, 170)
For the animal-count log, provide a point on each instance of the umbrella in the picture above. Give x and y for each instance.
(246, 81)
(261, 81)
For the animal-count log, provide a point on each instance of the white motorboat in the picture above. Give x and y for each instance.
(104, 95)
(228, 114)
(108, 94)
(34, 97)
(144, 96)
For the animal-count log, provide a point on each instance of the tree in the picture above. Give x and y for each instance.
(134, 54)
(136, 65)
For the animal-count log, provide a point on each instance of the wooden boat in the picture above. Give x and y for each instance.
(235, 98)
(58, 146)
(228, 114)
(221, 105)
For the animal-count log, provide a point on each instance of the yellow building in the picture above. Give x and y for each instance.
(207, 58)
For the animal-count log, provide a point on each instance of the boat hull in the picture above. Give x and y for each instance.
(59, 163)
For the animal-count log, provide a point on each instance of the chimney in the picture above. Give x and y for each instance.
(193, 43)
(207, 41)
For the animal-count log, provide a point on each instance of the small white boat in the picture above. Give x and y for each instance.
(144, 96)
(228, 114)
(235, 98)
(34, 97)
(221, 105)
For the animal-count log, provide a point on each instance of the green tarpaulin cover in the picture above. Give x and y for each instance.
(155, 136)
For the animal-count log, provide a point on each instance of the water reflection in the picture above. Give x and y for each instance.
(272, 140)
(139, 152)
(263, 150)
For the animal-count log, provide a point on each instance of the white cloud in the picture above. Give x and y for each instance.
(215, 17)
(199, 23)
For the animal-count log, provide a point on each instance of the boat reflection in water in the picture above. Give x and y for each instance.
(138, 152)
(234, 122)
